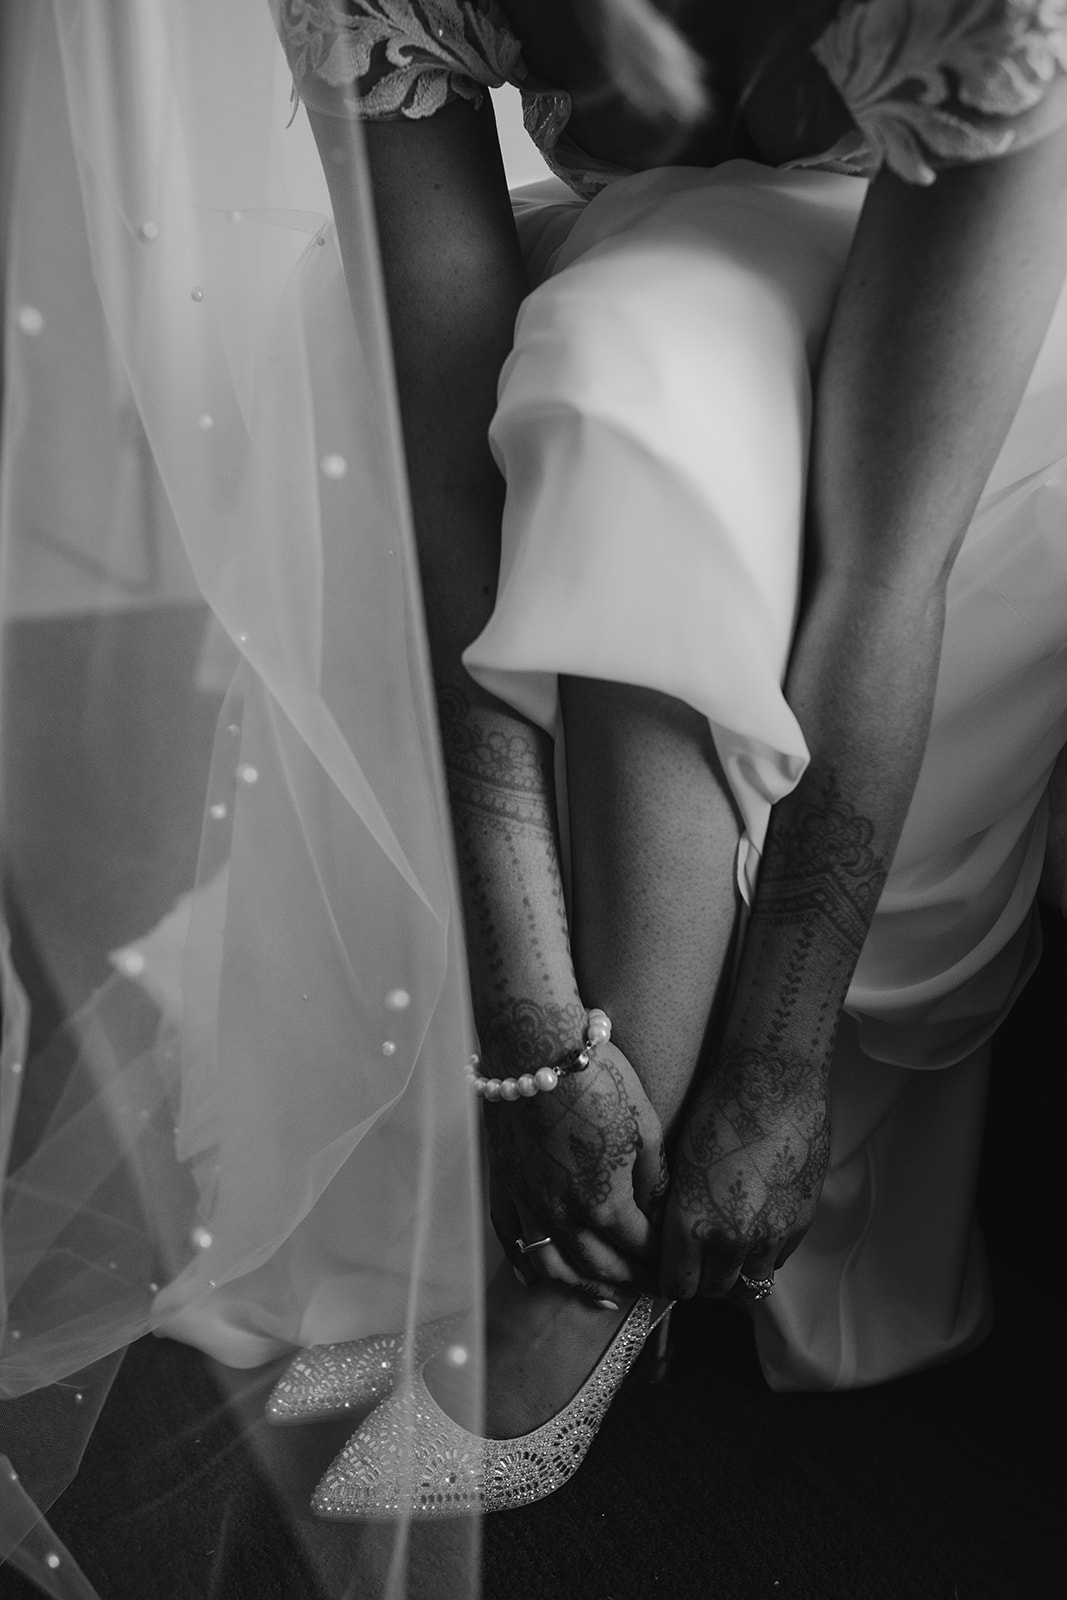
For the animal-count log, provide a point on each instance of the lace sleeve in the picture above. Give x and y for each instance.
(395, 58)
(934, 83)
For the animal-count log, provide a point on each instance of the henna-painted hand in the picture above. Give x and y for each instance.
(584, 1164)
(747, 1172)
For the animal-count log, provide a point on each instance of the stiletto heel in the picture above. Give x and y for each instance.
(338, 1380)
(408, 1458)
(653, 1364)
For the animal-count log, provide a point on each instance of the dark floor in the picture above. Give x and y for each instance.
(939, 1487)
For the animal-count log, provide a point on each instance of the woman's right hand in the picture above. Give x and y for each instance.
(585, 1165)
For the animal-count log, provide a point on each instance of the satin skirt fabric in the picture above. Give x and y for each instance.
(653, 429)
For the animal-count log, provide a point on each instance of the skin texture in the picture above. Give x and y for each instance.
(943, 287)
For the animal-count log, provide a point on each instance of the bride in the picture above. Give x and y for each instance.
(721, 1049)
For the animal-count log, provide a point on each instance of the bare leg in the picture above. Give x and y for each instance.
(653, 910)
(654, 838)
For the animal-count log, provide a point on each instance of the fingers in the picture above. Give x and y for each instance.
(716, 1265)
(628, 1233)
(651, 1179)
(719, 1275)
(682, 1259)
(579, 1261)
(755, 1279)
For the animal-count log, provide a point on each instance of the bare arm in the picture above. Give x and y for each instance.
(454, 280)
(945, 300)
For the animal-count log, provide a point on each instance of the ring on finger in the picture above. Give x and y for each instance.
(524, 1248)
(758, 1288)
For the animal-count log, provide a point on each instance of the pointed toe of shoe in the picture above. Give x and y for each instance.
(409, 1459)
(406, 1460)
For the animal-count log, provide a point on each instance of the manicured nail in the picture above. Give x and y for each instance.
(607, 1305)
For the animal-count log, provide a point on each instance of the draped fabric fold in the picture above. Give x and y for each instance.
(234, 1108)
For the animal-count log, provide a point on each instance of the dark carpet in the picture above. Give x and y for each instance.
(945, 1486)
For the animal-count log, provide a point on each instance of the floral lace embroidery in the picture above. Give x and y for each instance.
(925, 81)
(954, 81)
(396, 58)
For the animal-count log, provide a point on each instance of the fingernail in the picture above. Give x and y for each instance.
(524, 1281)
(606, 1305)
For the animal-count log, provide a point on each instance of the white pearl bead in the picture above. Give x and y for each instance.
(479, 1085)
(509, 1089)
(598, 1028)
(527, 1086)
(546, 1078)
(492, 1089)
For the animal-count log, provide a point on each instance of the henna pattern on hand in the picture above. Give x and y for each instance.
(559, 1154)
(767, 1130)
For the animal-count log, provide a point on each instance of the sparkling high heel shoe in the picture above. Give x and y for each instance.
(408, 1458)
(335, 1380)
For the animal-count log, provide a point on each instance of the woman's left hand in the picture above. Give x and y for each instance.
(747, 1172)
(583, 1166)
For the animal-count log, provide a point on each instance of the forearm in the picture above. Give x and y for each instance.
(454, 279)
(945, 301)
(862, 682)
(499, 770)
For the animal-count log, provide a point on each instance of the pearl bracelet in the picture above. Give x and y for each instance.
(545, 1079)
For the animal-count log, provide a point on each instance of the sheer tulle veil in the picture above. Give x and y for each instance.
(235, 1013)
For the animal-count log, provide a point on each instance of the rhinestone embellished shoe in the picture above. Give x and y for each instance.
(408, 1458)
(335, 1380)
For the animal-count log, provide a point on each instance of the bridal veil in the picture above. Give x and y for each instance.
(235, 1015)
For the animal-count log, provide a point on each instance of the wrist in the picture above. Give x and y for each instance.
(774, 1070)
(525, 1078)
(519, 1034)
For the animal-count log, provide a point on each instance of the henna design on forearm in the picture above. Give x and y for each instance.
(822, 865)
(501, 790)
(818, 888)
(495, 770)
